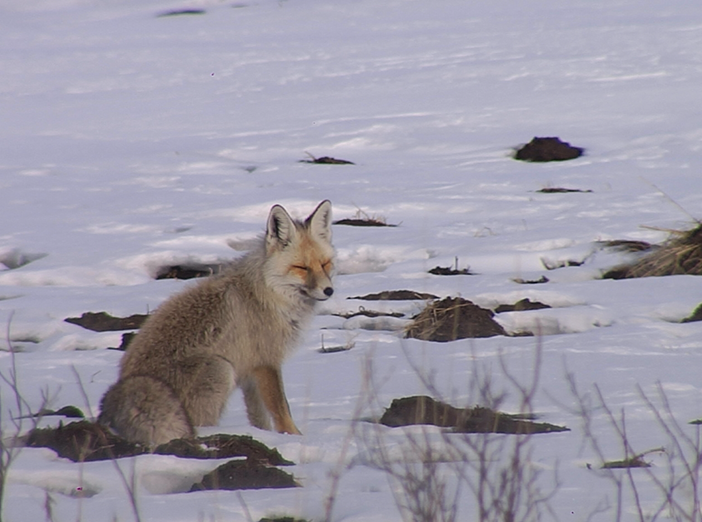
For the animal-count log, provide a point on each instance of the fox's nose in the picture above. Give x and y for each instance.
(328, 291)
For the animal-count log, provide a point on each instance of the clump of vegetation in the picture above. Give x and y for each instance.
(682, 254)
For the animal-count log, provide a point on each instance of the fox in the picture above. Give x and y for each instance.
(231, 330)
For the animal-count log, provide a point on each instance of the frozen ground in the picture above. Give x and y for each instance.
(131, 140)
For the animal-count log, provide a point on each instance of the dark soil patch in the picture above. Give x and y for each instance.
(127, 338)
(104, 322)
(363, 222)
(71, 412)
(179, 12)
(680, 255)
(396, 295)
(521, 306)
(283, 519)
(326, 160)
(222, 446)
(559, 190)
(245, 474)
(633, 462)
(421, 409)
(626, 245)
(82, 441)
(453, 318)
(448, 271)
(190, 271)
(540, 280)
(547, 149)
(86, 441)
(696, 315)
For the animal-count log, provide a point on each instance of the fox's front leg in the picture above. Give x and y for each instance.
(270, 388)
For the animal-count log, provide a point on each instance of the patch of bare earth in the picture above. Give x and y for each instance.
(541, 150)
(189, 271)
(396, 295)
(326, 160)
(104, 322)
(86, 441)
(245, 474)
(521, 306)
(421, 409)
(453, 318)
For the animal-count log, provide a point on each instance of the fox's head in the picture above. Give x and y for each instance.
(299, 254)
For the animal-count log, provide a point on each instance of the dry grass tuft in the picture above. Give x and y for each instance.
(681, 254)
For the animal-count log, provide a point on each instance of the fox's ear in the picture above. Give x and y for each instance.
(319, 222)
(281, 229)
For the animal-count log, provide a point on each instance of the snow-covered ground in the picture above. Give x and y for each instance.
(130, 141)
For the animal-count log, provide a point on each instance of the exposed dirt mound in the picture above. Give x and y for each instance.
(104, 322)
(625, 245)
(560, 190)
(127, 338)
(633, 462)
(421, 409)
(71, 412)
(181, 12)
(85, 441)
(453, 318)
(363, 222)
(547, 149)
(283, 519)
(82, 441)
(680, 255)
(447, 270)
(521, 306)
(222, 446)
(696, 315)
(245, 474)
(396, 295)
(190, 271)
(540, 280)
(326, 160)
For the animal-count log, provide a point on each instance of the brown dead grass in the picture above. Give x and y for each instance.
(682, 254)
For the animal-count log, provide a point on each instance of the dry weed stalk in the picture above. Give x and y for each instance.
(677, 482)
(11, 441)
(435, 467)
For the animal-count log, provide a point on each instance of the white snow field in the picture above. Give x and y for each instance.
(130, 141)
